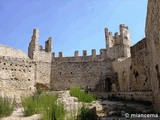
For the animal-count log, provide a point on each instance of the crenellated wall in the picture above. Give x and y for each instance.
(92, 74)
(122, 39)
(85, 58)
(118, 45)
(119, 69)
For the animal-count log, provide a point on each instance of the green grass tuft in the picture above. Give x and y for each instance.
(6, 107)
(44, 104)
(82, 95)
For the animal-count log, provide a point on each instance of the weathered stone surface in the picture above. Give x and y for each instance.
(153, 45)
(121, 67)
(86, 74)
(11, 52)
(18, 115)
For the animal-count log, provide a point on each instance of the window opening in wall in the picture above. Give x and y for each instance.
(29, 79)
(4, 63)
(10, 64)
(71, 73)
(158, 74)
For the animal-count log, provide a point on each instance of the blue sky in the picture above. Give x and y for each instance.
(73, 24)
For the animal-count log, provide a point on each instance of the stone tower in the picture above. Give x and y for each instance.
(118, 45)
(48, 45)
(152, 32)
(33, 45)
(36, 51)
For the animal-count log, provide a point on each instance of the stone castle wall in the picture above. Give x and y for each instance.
(121, 67)
(130, 72)
(139, 69)
(152, 31)
(85, 58)
(10, 52)
(17, 77)
(43, 73)
(85, 74)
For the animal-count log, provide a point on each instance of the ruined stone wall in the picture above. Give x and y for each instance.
(153, 44)
(17, 77)
(42, 56)
(140, 96)
(43, 73)
(139, 69)
(118, 52)
(121, 67)
(133, 73)
(94, 74)
(11, 52)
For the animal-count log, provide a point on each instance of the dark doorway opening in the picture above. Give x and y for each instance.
(108, 84)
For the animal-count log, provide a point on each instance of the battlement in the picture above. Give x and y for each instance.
(122, 39)
(83, 58)
(117, 46)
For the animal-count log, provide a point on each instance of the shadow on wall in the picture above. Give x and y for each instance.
(104, 85)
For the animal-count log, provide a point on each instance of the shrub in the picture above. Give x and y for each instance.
(86, 114)
(6, 107)
(81, 95)
(44, 104)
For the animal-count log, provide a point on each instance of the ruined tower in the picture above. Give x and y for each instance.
(153, 45)
(36, 52)
(48, 45)
(33, 45)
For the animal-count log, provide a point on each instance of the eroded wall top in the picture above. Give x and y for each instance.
(8, 51)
